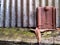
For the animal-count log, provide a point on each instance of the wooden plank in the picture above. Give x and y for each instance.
(49, 18)
(54, 17)
(57, 12)
(19, 13)
(13, 13)
(39, 17)
(7, 14)
(25, 19)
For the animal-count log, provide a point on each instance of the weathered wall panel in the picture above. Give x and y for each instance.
(19, 13)
(57, 13)
(22, 13)
(25, 17)
(0, 13)
(7, 14)
(50, 3)
(31, 16)
(13, 13)
(1, 16)
(43, 3)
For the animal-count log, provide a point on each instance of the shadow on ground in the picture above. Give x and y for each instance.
(21, 43)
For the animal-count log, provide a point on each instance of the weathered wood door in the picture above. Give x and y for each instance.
(47, 17)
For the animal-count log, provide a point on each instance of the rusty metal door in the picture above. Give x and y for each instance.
(47, 17)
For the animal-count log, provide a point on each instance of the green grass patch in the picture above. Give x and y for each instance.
(16, 32)
(24, 33)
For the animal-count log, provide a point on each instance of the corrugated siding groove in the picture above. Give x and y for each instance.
(40, 2)
(16, 14)
(53, 2)
(28, 12)
(4, 13)
(33, 14)
(22, 13)
(10, 12)
(46, 2)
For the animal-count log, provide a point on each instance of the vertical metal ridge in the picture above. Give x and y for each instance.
(28, 12)
(21, 13)
(25, 17)
(13, 14)
(4, 12)
(37, 3)
(7, 14)
(43, 3)
(50, 2)
(0, 13)
(57, 12)
(10, 7)
(16, 14)
(34, 14)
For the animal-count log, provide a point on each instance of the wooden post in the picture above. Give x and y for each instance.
(38, 35)
(46, 20)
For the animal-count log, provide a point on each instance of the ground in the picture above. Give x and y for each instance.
(17, 36)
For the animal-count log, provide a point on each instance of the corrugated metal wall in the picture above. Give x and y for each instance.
(22, 13)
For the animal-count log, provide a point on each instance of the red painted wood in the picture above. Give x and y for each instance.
(46, 17)
(54, 17)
